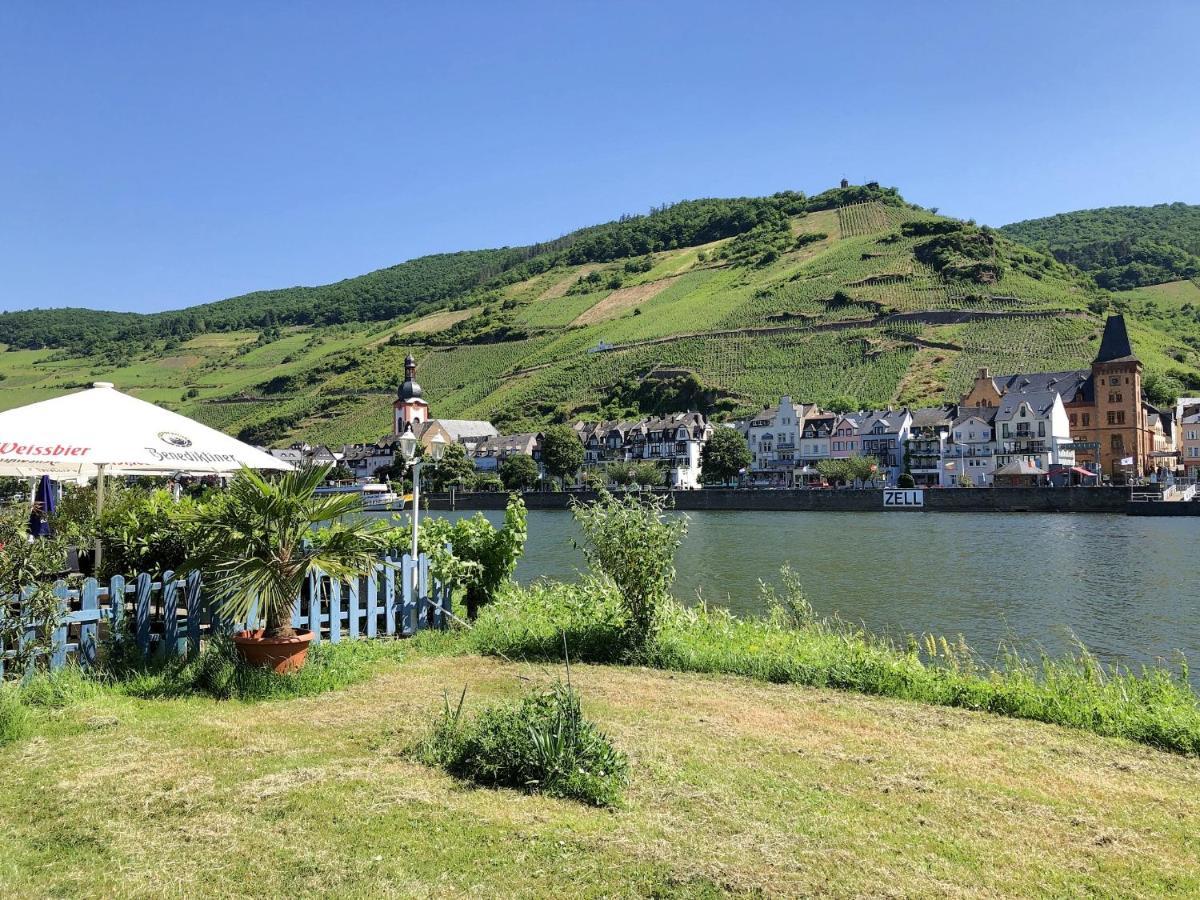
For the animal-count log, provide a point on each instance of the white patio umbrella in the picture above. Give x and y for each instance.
(100, 431)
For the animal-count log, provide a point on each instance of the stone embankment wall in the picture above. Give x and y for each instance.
(1065, 500)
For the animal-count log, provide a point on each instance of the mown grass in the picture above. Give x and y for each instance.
(1153, 706)
(736, 788)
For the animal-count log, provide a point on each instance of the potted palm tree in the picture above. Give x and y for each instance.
(257, 552)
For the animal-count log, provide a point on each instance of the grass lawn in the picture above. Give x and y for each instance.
(737, 787)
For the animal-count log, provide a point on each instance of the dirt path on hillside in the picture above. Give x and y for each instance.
(622, 299)
(560, 287)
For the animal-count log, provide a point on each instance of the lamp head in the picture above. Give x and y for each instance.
(437, 447)
(408, 444)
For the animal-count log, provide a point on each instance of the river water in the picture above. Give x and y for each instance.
(1128, 588)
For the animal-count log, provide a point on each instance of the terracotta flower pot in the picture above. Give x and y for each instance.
(280, 654)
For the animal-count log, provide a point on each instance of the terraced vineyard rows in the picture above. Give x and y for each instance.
(872, 217)
(1007, 346)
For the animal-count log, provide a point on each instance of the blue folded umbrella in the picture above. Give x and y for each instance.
(46, 500)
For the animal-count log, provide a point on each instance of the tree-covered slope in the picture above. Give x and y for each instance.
(852, 296)
(1122, 247)
(423, 284)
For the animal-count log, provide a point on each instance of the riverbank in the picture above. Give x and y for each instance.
(1044, 500)
(736, 788)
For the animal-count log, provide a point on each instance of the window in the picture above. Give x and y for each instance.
(1041, 429)
(1004, 430)
(1114, 397)
(1087, 419)
(1073, 420)
(1117, 442)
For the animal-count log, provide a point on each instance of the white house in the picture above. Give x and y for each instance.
(1032, 427)
(883, 435)
(971, 450)
(773, 434)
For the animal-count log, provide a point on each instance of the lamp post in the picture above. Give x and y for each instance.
(408, 448)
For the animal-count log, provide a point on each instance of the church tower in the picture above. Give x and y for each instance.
(410, 406)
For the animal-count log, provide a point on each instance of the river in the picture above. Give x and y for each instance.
(1125, 587)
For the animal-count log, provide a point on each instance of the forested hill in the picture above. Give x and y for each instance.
(1122, 247)
(849, 298)
(420, 285)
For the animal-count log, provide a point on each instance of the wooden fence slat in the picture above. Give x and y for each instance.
(335, 610)
(314, 604)
(389, 596)
(352, 603)
(170, 612)
(89, 600)
(426, 608)
(417, 602)
(58, 642)
(372, 603)
(410, 602)
(141, 612)
(116, 608)
(193, 612)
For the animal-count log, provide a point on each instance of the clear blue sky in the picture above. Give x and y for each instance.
(155, 155)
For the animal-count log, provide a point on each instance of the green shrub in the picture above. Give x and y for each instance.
(534, 622)
(631, 541)
(906, 480)
(542, 744)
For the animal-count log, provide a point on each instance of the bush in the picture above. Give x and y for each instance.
(906, 481)
(542, 744)
(631, 541)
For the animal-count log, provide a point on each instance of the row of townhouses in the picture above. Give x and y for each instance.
(1027, 428)
(1037, 428)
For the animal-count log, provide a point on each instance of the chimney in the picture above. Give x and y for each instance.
(984, 372)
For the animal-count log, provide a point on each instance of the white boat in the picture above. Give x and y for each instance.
(374, 496)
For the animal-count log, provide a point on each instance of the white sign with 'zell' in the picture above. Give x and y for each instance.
(903, 499)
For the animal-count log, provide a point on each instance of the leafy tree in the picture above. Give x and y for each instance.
(562, 451)
(1162, 390)
(481, 558)
(519, 472)
(487, 481)
(835, 471)
(724, 455)
(906, 480)
(339, 473)
(454, 469)
(648, 474)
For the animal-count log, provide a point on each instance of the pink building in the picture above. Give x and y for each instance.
(844, 441)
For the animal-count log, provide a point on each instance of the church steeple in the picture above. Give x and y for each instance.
(410, 406)
(1115, 343)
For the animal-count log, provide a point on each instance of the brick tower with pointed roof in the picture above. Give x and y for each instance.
(1121, 422)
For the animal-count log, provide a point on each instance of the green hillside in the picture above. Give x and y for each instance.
(1122, 247)
(722, 304)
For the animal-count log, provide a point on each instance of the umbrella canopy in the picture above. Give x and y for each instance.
(101, 430)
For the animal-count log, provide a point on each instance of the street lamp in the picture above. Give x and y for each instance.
(408, 449)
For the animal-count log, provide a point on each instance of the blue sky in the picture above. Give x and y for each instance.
(155, 155)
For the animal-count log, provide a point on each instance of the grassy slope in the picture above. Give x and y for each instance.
(737, 788)
(708, 318)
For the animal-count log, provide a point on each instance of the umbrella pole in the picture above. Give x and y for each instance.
(99, 512)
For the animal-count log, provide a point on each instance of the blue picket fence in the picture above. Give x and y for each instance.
(169, 617)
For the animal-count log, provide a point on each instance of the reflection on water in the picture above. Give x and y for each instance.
(1125, 587)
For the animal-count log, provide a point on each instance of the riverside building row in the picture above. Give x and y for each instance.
(1021, 429)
